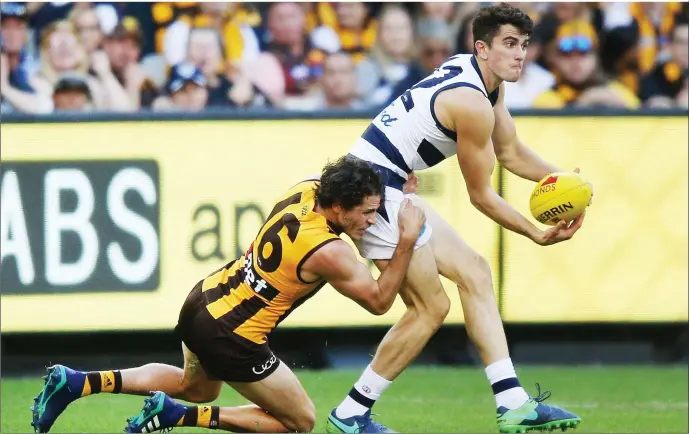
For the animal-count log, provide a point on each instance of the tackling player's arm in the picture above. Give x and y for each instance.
(512, 153)
(470, 114)
(352, 278)
(336, 263)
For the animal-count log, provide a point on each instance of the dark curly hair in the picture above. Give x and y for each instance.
(347, 182)
(489, 19)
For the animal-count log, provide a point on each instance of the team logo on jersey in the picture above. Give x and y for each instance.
(387, 120)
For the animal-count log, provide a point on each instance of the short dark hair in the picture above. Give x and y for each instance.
(347, 182)
(72, 83)
(489, 19)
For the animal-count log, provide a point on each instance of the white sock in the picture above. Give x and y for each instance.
(363, 395)
(510, 393)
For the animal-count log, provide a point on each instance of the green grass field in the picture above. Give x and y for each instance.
(609, 399)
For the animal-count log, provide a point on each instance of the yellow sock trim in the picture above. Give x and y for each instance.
(204, 419)
(87, 388)
(201, 416)
(107, 381)
(180, 422)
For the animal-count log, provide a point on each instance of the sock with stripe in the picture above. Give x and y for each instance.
(363, 395)
(506, 388)
(102, 382)
(204, 416)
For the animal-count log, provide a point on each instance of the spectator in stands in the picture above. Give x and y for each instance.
(205, 52)
(72, 93)
(338, 87)
(187, 90)
(454, 14)
(543, 46)
(164, 15)
(299, 55)
(61, 54)
(319, 14)
(667, 85)
(43, 14)
(620, 55)
(465, 36)
(16, 66)
(356, 28)
(655, 21)
(434, 36)
(579, 80)
(87, 24)
(390, 58)
(275, 54)
(236, 23)
(441, 10)
(435, 45)
(123, 48)
(339, 82)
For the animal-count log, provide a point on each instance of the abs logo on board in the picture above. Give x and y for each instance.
(79, 226)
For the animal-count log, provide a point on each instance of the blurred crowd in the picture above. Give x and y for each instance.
(189, 56)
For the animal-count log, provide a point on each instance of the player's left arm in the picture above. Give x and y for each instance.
(511, 152)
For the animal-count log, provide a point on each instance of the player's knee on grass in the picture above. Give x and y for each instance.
(200, 394)
(302, 419)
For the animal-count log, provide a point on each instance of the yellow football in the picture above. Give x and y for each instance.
(560, 196)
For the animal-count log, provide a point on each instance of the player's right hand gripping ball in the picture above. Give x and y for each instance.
(560, 196)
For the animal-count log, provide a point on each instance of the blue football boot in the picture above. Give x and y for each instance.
(534, 415)
(62, 387)
(160, 413)
(355, 424)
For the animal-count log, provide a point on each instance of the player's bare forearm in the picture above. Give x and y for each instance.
(512, 153)
(526, 164)
(391, 278)
(336, 263)
(497, 209)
